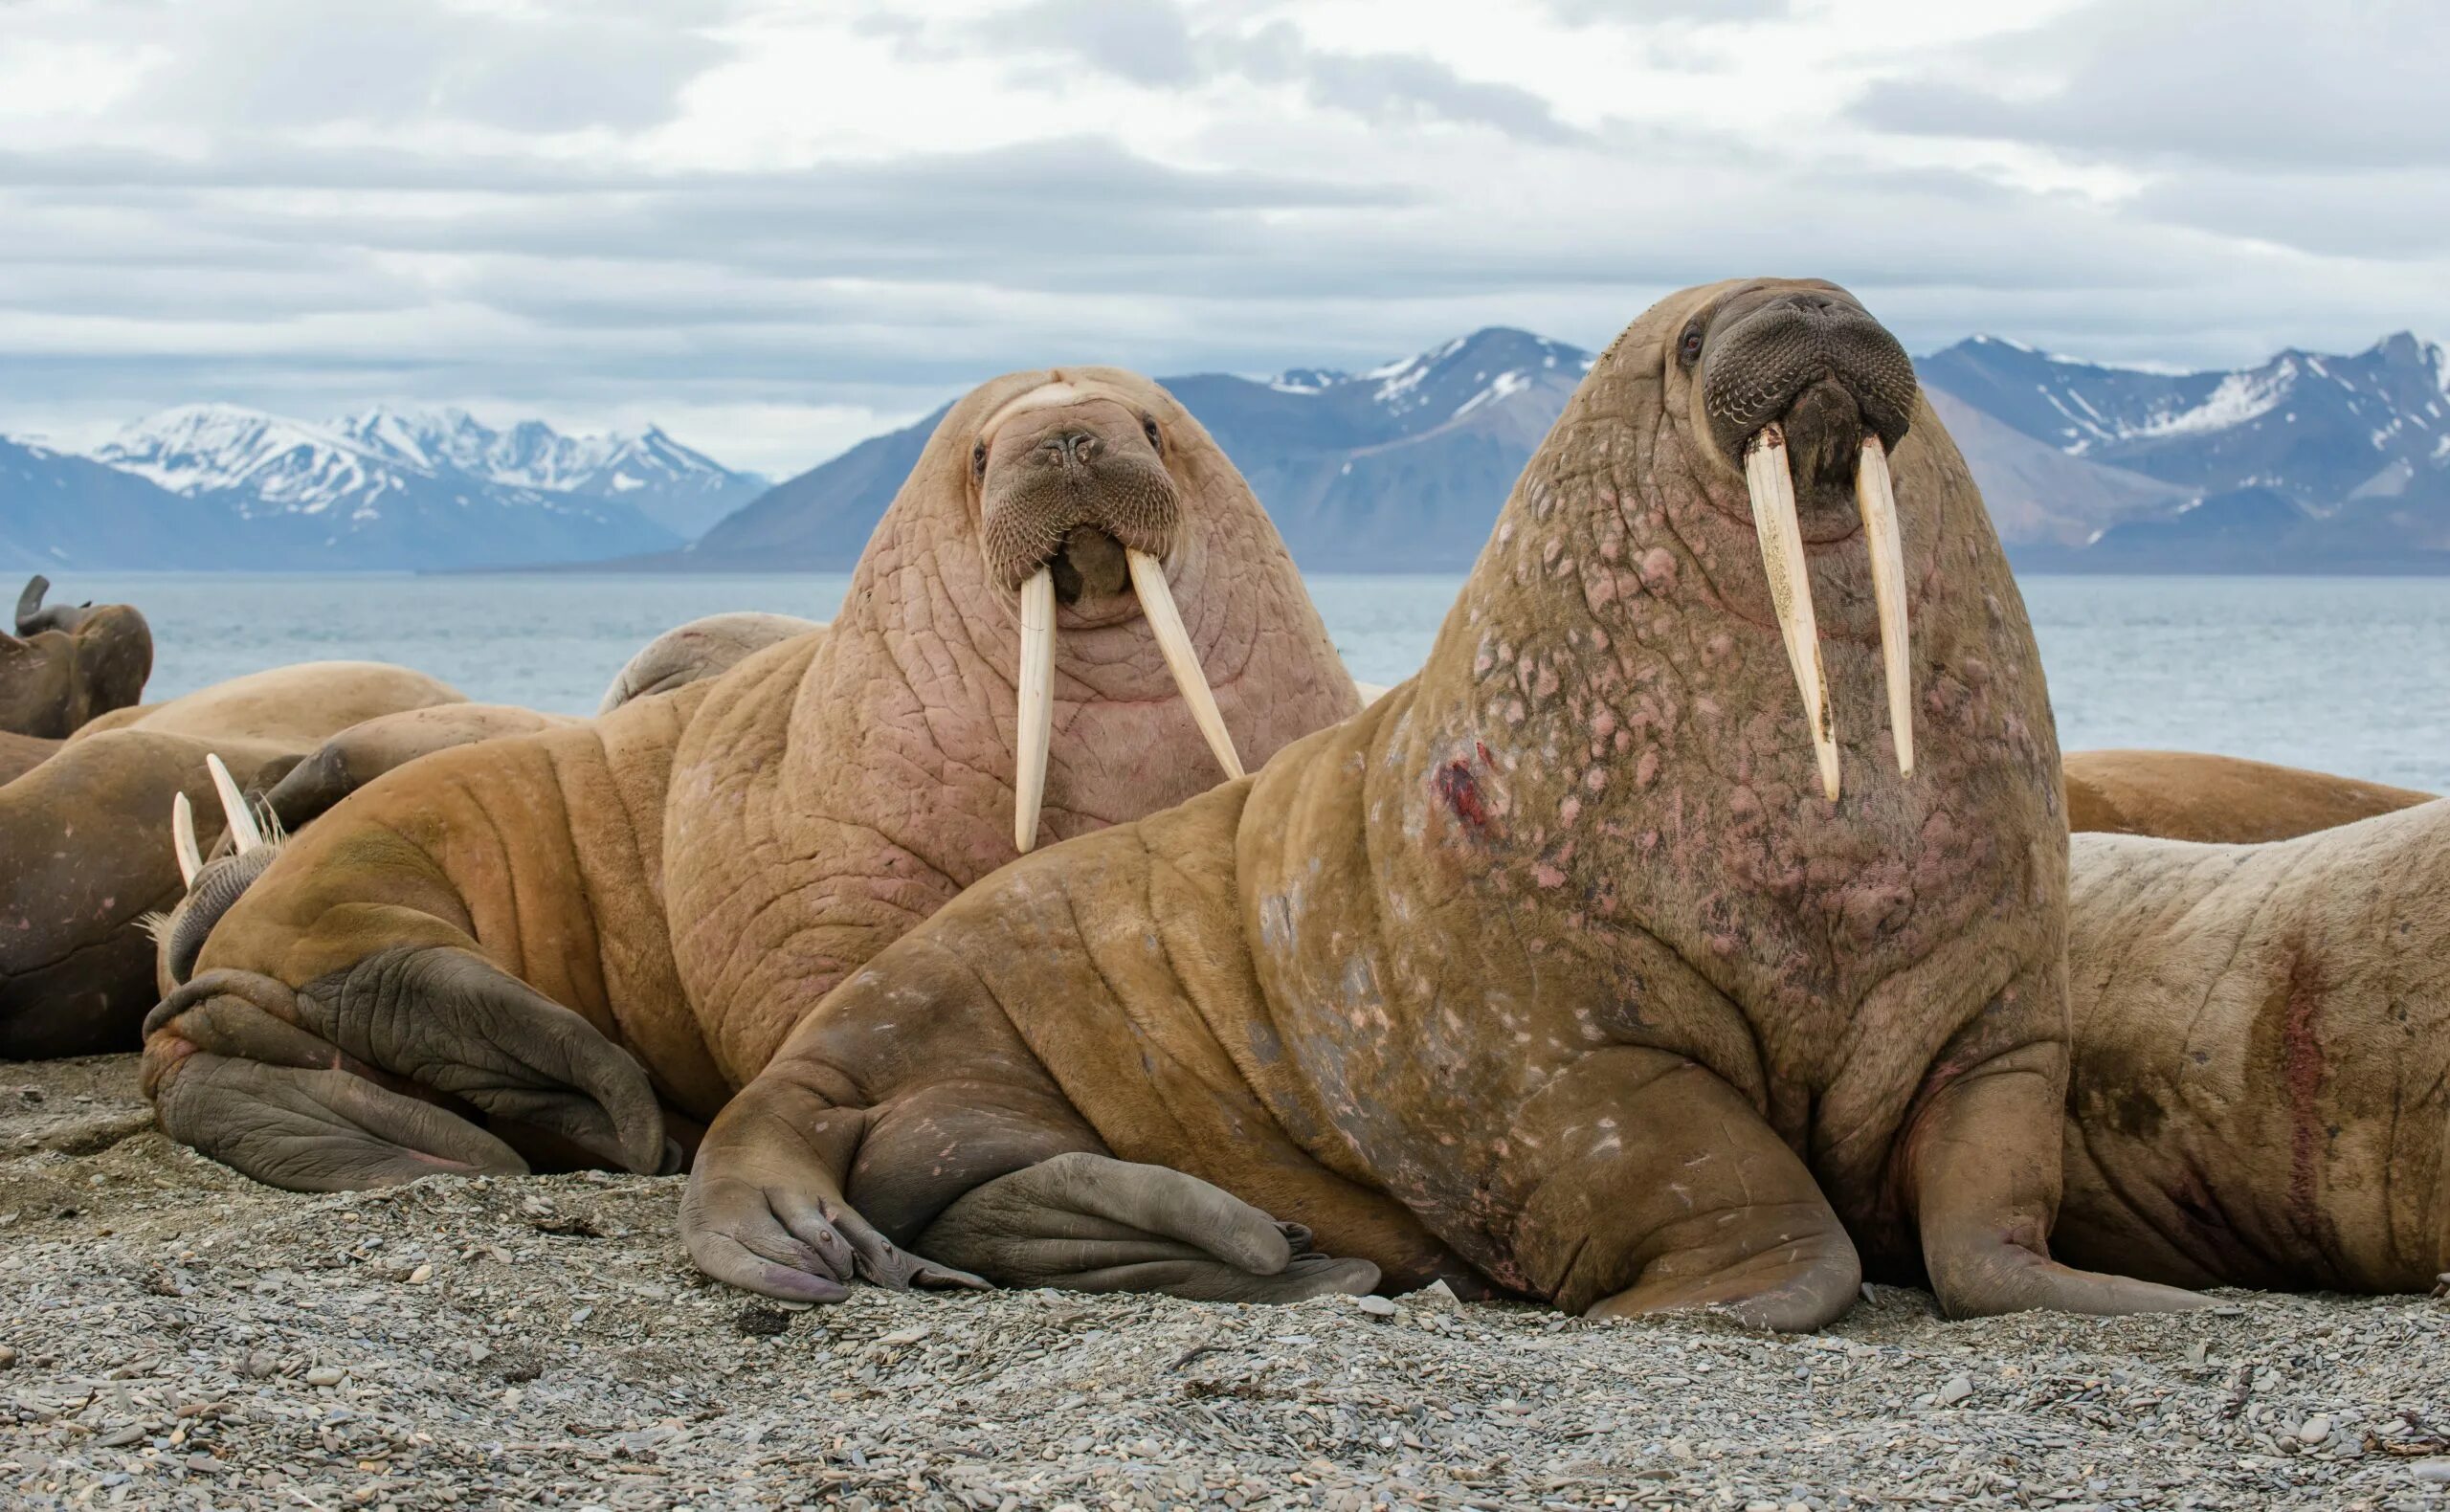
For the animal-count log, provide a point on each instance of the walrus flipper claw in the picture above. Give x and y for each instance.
(765, 1212)
(1089, 1223)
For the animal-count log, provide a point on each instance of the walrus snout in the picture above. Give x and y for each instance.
(1797, 357)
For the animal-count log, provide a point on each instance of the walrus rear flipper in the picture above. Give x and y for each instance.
(428, 1019)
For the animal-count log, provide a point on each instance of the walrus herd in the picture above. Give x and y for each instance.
(1700, 927)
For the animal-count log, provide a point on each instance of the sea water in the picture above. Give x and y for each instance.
(2346, 675)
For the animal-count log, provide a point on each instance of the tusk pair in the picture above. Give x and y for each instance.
(243, 831)
(1770, 483)
(1037, 723)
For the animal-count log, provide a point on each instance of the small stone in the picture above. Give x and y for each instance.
(421, 1275)
(2314, 1429)
(1375, 1306)
(262, 1363)
(325, 1375)
(7, 1358)
(2436, 1471)
(1957, 1390)
(121, 1436)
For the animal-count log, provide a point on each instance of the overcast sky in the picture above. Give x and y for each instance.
(778, 228)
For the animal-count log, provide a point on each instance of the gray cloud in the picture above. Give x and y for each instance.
(290, 63)
(2259, 83)
(315, 243)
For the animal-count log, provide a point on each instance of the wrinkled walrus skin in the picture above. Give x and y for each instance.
(66, 665)
(2222, 800)
(2263, 1058)
(1555, 963)
(86, 837)
(588, 930)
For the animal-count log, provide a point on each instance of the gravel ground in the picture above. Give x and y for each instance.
(172, 1335)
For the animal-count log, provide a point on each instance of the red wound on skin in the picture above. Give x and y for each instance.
(1462, 790)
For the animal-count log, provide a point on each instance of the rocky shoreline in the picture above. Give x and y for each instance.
(173, 1335)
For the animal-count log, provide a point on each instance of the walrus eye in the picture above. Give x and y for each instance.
(978, 460)
(1688, 350)
(1149, 429)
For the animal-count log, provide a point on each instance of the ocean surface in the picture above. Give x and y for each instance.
(2346, 675)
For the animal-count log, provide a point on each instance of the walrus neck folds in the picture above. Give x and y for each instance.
(1606, 736)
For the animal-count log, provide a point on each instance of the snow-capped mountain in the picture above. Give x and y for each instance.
(1398, 468)
(683, 490)
(2307, 459)
(62, 510)
(320, 495)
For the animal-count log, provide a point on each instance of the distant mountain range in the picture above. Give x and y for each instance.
(213, 486)
(2305, 462)
(1397, 469)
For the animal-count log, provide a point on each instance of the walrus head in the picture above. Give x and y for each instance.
(1079, 507)
(214, 884)
(1798, 388)
(68, 663)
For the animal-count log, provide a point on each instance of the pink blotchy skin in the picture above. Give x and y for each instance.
(692, 872)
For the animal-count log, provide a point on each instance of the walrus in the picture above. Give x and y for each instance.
(1578, 964)
(84, 837)
(698, 649)
(2262, 1074)
(2184, 795)
(1074, 612)
(67, 664)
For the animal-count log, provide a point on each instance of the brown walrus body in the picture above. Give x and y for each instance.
(68, 664)
(492, 934)
(1555, 966)
(2263, 1058)
(2183, 795)
(86, 837)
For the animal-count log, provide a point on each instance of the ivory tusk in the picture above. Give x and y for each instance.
(1876, 498)
(243, 833)
(183, 839)
(1157, 602)
(1037, 724)
(1772, 490)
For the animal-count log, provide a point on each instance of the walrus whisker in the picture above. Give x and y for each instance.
(1157, 603)
(1773, 489)
(1035, 727)
(183, 839)
(1876, 498)
(243, 833)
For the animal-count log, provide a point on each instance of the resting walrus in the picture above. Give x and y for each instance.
(507, 926)
(2182, 795)
(2263, 1057)
(84, 837)
(1578, 962)
(67, 664)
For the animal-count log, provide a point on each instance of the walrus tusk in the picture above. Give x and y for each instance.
(1036, 725)
(1773, 519)
(183, 839)
(243, 833)
(1157, 602)
(1878, 500)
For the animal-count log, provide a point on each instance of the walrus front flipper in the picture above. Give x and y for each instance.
(765, 1210)
(437, 1017)
(1985, 1202)
(1659, 1188)
(1087, 1223)
(318, 1131)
